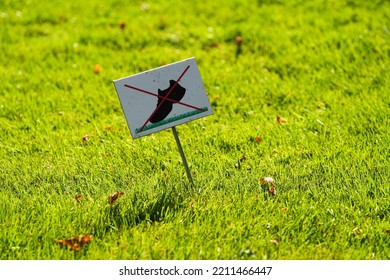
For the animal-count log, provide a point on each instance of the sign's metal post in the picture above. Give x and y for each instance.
(183, 157)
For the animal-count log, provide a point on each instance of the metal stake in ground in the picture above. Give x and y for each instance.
(183, 157)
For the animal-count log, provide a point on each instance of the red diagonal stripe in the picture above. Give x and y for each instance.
(165, 97)
(162, 97)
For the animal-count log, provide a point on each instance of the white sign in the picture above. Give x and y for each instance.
(163, 97)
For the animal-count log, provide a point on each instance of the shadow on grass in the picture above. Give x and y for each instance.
(140, 208)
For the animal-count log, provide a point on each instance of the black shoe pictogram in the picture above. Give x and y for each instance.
(164, 110)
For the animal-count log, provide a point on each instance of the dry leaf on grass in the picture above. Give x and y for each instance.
(238, 40)
(268, 181)
(279, 119)
(79, 197)
(272, 190)
(76, 242)
(122, 25)
(242, 158)
(113, 197)
(97, 68)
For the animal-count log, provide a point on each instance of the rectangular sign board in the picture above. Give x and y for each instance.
(163, 97)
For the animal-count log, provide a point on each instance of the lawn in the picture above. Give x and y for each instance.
(300, 93)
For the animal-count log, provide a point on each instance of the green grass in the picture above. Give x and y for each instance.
(322, 65)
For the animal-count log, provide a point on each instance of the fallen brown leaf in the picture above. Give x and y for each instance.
(268, 181)
(97, 68)
(75, 243)
(113, 197)
(279, 119)
(238, 40)
(272, 190)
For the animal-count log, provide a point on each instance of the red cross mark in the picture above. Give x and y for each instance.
(164, 98)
